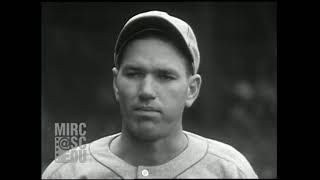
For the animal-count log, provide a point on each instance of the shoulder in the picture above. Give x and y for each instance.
(226, 157)
(65, 164)
(77, 162)
(231, 157)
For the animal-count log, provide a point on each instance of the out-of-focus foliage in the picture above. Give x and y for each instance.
(238, 46)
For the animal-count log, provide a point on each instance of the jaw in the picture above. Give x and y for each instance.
(150, 130)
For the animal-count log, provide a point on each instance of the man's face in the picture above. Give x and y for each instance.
(151, 87)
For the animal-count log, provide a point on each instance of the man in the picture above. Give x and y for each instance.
(155, 78)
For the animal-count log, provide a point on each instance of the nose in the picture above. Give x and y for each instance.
(147, 89)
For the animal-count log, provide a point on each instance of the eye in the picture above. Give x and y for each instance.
(134, 74)
(166, 77)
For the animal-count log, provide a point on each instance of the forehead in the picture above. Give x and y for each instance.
(153, 52)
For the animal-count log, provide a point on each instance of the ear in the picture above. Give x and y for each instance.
(194, 85)
(115, 87)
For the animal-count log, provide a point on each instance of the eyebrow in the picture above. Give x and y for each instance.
(162, 70)
(132, 68)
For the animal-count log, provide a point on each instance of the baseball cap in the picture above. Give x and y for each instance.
(162, 21)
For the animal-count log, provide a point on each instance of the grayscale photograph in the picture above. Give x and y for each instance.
(162, 90)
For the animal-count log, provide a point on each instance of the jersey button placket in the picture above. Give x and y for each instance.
(145, 173)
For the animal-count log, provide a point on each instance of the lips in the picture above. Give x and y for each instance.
(147, 109)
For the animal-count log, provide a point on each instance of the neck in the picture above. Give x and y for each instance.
(148, 153)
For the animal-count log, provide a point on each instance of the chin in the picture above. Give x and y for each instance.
(146, 132)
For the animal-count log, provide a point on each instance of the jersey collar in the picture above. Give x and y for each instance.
(195, 151)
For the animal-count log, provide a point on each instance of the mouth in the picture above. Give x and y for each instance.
(147, 109)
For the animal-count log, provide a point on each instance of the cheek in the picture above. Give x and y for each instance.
(175, 97)
(127, 91)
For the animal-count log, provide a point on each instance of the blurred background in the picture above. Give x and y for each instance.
(238, 98)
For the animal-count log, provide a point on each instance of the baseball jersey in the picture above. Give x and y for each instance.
(202, 158)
